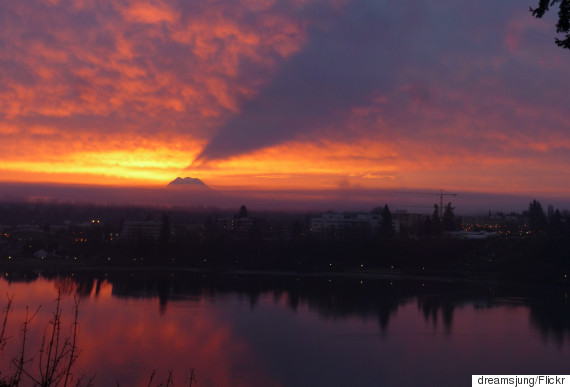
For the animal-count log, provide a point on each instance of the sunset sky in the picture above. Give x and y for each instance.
(292, 94)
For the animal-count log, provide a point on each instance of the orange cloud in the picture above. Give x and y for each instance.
(154, 12)
(116, 70)
(107, 92)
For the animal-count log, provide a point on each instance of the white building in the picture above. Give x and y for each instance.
(345, 224)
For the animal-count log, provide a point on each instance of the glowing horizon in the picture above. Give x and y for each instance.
(284, 94)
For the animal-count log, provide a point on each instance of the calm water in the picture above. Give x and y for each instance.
(288, 331)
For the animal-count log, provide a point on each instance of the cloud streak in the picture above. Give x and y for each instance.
(427, 71)
(341, 65)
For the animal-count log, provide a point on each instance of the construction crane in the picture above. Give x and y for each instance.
(441, 194)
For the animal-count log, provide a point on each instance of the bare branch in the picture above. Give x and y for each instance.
(74, 351)
(6, 311)
(151, 378)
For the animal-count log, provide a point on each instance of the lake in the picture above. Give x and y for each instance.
(291, 330)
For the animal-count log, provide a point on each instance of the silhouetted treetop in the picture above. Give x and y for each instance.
(448, 218)
(563, 25)
(243, 212)
(436, 220)
(537, 216)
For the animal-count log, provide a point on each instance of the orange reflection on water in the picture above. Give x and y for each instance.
(344, 332)
(125, 340)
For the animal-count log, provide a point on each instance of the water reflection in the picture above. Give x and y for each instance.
(243, 329)
(331, 297)
(551, 315)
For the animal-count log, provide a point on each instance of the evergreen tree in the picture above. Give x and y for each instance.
(435, 220)
(563, 25)
(165, 230)
(242, 212)
(386, 224)
(537, 218)
(448, 218)
(555, 225)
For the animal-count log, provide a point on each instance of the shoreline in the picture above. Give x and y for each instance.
(448, 276)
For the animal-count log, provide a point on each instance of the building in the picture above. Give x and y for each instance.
(408, 220)
(141, 230)
(235, 225)
(343, 225)
(27, 233)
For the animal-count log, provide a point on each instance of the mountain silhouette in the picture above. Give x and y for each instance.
(189, 181)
